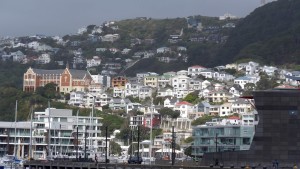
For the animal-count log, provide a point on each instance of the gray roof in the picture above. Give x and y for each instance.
(43, 71)
(78, 74)
(24, 125)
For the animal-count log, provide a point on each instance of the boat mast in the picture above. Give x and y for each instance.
(15, 141)
(30, 146)
(49, 134)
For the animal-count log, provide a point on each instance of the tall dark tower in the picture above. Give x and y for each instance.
(277, 135)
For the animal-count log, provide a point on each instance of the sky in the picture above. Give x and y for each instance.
(61, 17)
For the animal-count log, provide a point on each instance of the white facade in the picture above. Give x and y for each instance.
(95, 61)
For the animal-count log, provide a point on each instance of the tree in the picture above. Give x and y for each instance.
(191, 97)
(189, 140)
(265, 82)
(115, 148)
(188, 151)
(202, 120)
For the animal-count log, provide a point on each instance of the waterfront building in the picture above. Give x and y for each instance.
(63, 134)
(223, 135)
(276, 134)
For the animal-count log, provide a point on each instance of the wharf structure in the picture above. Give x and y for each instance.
(277, 135)
(63, 134)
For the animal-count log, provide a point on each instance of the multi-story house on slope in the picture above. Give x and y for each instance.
(195, 70)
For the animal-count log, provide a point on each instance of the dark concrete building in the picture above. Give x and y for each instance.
(277, 135)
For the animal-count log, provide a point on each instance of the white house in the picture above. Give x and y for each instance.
(207, 73)
(44, 59)
(225, 109)
(185, 108)
(18, 56)
(246, 79)
(118, 92)
(163, 50)
(269, 70)
(241, 106)
(195, 70)
(95, 61)
(182, 73)
(180, 82)
(132, 89)
(145, 92)
(251, 68)
(33, 44)
(76, 98)
(164, 92)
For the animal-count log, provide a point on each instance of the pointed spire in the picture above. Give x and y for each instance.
(67, 65)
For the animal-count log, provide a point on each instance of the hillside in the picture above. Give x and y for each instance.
(270, 35)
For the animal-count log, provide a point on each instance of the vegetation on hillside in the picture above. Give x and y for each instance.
(270, 35)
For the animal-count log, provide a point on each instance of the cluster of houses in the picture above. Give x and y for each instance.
(219, 95)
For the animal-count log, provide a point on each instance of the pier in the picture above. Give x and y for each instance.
(93, 165)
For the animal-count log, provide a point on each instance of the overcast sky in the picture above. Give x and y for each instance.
(61, 17)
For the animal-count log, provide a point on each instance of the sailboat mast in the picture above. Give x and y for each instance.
(49, 134)
(15, 141)
(30, 146)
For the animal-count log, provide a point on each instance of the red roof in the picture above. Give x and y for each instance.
(197, 66)
(184, 103)
(234, 118)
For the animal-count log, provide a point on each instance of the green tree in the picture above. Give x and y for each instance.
(188, 151)
(189, 140)
(191, 97)
(115, 148)
(202, 120)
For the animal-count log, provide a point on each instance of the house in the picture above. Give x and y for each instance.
(202, 107)
(145, 92)
(170, 102)
(180, 82)
(119, 92)
(225, 109)
(223, 76)
(241, 106)
(119, 81)
(246, 79)
(227, 16)
(33, 44)
(182, 73)
(163, 50)
(195, 70)
(269, 70)
(119, 103)
(76, 98)
(236, 90)
(165, 92)
(125, 51)
(185, 108)
(207, 73)
(105, 80)
(102, 100)
(181, 48)
(132, 89)
(44, 58)
(95, 61)
(18, 56)
(110, 37)
(132, 106)
(164, 80)
(218, 96)
(252, 68)
(99, 50)
(195, 84)
(151, 81)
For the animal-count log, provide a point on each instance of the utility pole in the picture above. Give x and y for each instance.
(106, 134)
(173, 145)
(85, 134)
(138, 146)
(77, 143)
(49, 131)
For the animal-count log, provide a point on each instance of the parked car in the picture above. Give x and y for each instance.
(135, 160)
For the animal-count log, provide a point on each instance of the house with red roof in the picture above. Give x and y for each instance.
(185, 108)
(195, 70)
